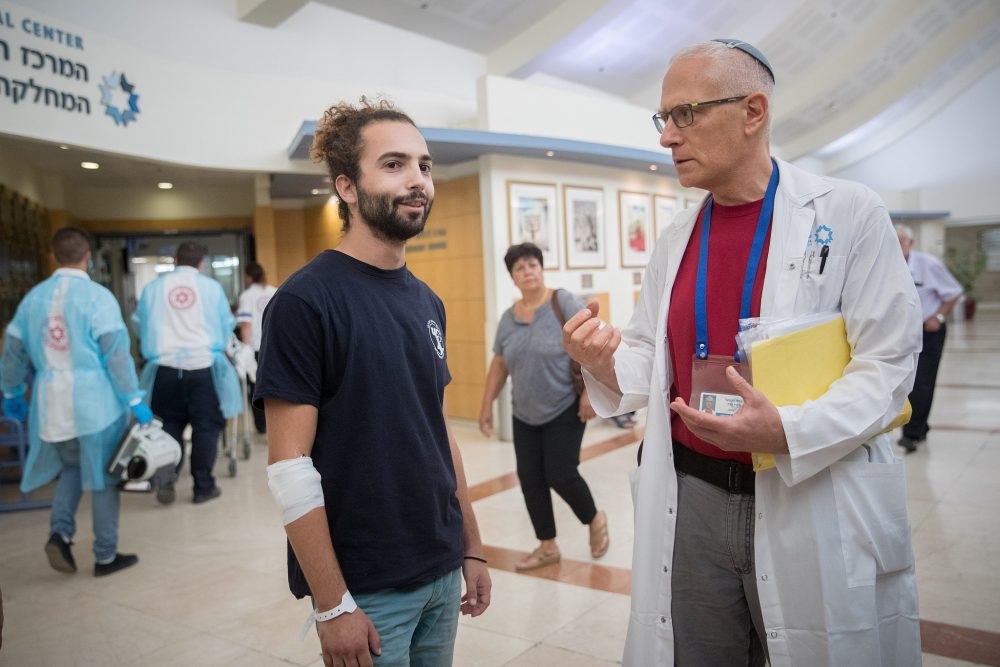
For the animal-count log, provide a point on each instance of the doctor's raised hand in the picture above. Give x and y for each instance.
(755, 427)
(591, 344)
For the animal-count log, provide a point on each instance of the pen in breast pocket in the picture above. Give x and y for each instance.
(822, 258)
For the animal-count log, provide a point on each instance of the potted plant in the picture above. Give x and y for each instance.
(966, 264)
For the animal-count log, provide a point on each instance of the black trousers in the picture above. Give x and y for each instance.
(188, 397)
(259, 421)
(922, 394)
(547, 459)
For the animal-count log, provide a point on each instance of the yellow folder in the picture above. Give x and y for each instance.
(800, 366)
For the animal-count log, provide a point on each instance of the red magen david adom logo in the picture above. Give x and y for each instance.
(182, 297)
(56, 336)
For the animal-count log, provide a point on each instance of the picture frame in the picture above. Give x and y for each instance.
(664, 210)
(583, 227)
(532, 217)
(635, 228)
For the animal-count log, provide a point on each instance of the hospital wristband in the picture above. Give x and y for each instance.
(346, 606)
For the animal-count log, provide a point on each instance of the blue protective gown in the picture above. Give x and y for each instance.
(69, 333)
(184, 322)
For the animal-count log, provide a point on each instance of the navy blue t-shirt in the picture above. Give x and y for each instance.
(366, 346)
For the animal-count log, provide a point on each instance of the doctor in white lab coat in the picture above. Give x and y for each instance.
(833, 563)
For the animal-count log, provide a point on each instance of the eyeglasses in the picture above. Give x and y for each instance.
(683, 114)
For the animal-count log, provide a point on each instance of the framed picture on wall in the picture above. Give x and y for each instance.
(635, 229)
(664, 209)
(583, 227)
(531, 215)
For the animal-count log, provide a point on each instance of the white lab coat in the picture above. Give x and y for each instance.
(833, 555)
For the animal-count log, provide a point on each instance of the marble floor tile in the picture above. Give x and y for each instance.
(476, 647)
(548, 656)
(210, 588)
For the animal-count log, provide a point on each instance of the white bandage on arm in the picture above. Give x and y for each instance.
(295, 485)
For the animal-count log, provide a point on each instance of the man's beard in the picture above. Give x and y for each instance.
(381, 213)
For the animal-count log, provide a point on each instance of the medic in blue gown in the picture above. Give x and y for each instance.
(69, 342)
(184, 324)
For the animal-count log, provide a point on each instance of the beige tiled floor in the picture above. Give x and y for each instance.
(210, 587)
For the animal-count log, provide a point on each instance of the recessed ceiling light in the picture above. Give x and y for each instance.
(165, 186)
(64, 147)
(550, 153)
(652, 167)
(90, 165)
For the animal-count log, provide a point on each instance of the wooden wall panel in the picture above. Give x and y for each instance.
(324, 229)
(290, 244)
(448, 256)
(265, 242)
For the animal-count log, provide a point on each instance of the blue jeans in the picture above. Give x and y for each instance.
(417, 627)
(104, 504)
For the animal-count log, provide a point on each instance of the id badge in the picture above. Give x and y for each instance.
(711, 389)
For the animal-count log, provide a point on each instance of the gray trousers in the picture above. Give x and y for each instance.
(716, 611)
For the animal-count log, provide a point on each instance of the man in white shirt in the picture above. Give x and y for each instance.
(939, 292)
(250, 318)
(185, 322)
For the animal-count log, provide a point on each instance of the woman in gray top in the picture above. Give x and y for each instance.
(549, 417)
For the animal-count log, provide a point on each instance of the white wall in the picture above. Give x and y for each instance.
(615, 280)
(207, 116)
(949, 163)
(196, 33)
(518, 107)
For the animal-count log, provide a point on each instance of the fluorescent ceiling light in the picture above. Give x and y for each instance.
(165, 185)
(90, 165)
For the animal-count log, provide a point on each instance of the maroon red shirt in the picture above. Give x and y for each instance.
(729, 244)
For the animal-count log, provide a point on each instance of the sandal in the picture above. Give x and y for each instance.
(599, 540)
(538, 558)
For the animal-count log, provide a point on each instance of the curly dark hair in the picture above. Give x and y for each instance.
(337, 139)
(519, 251)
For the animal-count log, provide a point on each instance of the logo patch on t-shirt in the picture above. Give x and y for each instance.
(182, 297)
(56, 336)
(437, 338)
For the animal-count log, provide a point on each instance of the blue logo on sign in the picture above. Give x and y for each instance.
(112, 84)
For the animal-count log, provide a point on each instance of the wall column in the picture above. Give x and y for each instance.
(263, 224)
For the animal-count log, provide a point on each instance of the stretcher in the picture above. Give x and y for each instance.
(236, 435)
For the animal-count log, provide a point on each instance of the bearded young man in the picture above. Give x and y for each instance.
(352, 375)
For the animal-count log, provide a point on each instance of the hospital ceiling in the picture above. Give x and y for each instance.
(853, 75)
(847, 69)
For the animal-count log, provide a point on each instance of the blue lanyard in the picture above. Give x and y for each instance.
(701, 287)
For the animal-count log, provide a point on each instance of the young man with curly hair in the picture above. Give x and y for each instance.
(352, 376)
